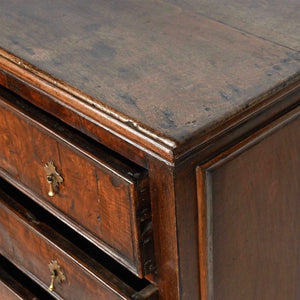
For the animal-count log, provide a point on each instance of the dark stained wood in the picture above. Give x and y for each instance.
(8, 159)
(249, 217)
(186, 209)
(168, 267)
(103, 198)
(86, 118)
(232, 130)
(182, 180)
(162, 69)
(164, 229)
(31, 245)
(169, 85)
(174, 210)
(186, 219)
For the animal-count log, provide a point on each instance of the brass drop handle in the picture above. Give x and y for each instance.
(53, 178)
(51, 286)
(51, 192)
(56, 274)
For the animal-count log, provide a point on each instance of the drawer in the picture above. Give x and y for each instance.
(15, 285)
(51, 259)
(100, 194)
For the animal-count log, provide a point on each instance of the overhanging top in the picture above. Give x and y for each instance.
(177, 69)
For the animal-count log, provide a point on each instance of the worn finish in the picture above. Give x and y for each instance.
(100, 196)
(31, 245)
(169, 86)
(271, 20)
(249, 216)
(125, 142)
(169, 66)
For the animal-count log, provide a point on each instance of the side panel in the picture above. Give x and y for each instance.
(249, 217)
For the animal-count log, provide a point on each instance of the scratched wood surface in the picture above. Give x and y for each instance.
(178, 67)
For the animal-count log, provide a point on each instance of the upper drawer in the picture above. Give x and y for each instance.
(101, 196)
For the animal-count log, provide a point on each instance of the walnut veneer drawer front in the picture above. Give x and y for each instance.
(53, 261)
(96, 193)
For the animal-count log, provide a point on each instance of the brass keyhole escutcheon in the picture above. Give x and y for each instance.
(53, 178)
(57, 276)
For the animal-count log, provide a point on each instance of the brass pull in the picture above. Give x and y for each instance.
(56, 274)
(51, 286)
(51, 192)
(53, 178)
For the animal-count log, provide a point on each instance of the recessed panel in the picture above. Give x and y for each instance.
(250, 226)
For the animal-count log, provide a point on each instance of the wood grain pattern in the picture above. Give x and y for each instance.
(169, 85)
(31, 245)
(173, 255)
(158, 66)
(249, 217)
(100, 196)
(136, 147)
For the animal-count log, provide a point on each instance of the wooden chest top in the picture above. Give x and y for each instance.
(171, 70)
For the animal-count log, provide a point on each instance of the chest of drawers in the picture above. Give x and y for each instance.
(150, 150)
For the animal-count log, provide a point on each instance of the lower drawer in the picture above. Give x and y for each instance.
(52, 260)
(15, 285)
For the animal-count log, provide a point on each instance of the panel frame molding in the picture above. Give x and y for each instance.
(205, 197)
